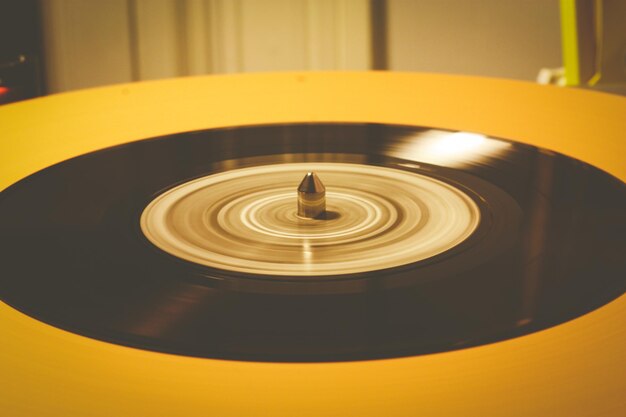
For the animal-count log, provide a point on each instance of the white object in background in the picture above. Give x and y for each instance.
(554, 76)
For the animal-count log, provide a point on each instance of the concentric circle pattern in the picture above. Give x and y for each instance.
(246, 220)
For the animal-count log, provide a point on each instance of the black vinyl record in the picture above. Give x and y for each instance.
(548, 248)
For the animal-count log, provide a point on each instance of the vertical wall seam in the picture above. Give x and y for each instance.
(379, 35)
(308, 37)
(239, 34)
(182, 37)
(208, 35)
(133, 40)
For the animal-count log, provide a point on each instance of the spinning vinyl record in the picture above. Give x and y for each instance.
(192, 243)
(314, 244)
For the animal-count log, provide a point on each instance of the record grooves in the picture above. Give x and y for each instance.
(546, 250)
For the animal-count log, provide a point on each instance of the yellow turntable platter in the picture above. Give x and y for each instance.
(574, 369)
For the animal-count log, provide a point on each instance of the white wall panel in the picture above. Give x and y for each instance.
(159, 38)
(338, 34)
(87, 43)
(225, 36)
(197, 33)
(500, 38)
(273, 35)
(91, 43)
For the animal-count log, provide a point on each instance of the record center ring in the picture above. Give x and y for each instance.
(273, 215)
(245, 220)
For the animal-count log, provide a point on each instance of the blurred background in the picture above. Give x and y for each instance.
(50, 46)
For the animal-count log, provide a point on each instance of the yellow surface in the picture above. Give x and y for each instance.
(574, 369)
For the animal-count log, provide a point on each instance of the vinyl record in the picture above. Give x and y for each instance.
(482, 241)
(490, 269)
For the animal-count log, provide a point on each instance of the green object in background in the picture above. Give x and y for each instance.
(594, 42)
(569, 39)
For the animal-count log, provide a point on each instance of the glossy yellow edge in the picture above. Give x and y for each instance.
(574, 369)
